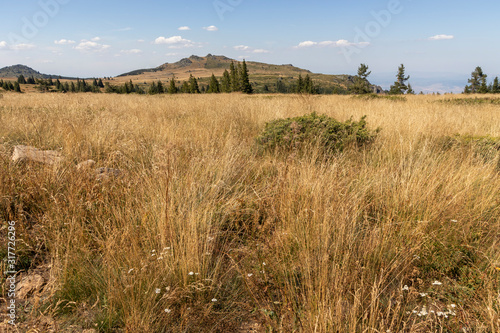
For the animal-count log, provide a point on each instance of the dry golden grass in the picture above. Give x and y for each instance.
(296, 243)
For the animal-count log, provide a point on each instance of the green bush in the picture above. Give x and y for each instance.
(321, 130)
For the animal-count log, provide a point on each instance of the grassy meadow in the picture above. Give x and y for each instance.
(205, 232)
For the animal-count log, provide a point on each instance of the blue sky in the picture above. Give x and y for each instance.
(440, 42)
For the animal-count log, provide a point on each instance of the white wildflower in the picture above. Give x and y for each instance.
(168, 310)
(405, 287)
(249, 274)
(436, 283)
(157, 290)
(214, 300)
(191, 273)
(423, 294)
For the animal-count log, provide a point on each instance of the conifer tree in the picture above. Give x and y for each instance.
(213, 86)
(100, 84)
(185, 87)
(17, 87)
(193, 85)
(225, 85)
(410, 90)
(300, 85)
(21, 79)
(399, 87)
(73, 87)
(308, 85)
(172, 89)
(478, 78)
(361, 84)
(153, 89)
(235, 82)
(31, 80)
(160, 88)
(495, 87)
(246, 87)
(94, 83)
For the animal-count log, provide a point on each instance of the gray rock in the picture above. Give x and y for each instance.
(106, 173)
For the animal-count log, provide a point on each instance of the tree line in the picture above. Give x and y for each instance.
(479, 85)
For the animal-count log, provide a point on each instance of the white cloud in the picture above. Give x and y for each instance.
(3, 45)
(174, 42)
(64, 42)
(441, 37)
(307, 43)
(22, 47)
(184, 28)
(330, 43)
(91, 46)
(241, 48)
(140, 40)
(96, 39)
(171, 54)
(249, 49)
(260, 51)
(211, 28)
(132, 51)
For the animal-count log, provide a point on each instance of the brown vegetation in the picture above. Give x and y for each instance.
(207, 233)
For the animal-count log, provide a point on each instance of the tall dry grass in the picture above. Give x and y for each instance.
(205, 233)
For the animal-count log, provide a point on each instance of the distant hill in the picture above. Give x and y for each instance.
(262, 75)
(16, 70)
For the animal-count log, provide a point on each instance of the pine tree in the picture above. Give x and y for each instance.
(153, 89)
(246, 87)
(410, 90)
(399, 87)
(160, 88)
(17, 87)
(478, 78)
(495, 87)
(225, 84)
(73, 87)
(31, 80)
(483, 88)
(94, 83)
(21, 79)
(100, 84)
(235, 82)
(361, 84)
(308, 85)
(193, 85)
(213, 86)
(300, 85)
(172, 89)
(185, 87)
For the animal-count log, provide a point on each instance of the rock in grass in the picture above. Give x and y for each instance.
(107, 173)
(29, 285)
(85, 165)
(28, 153)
